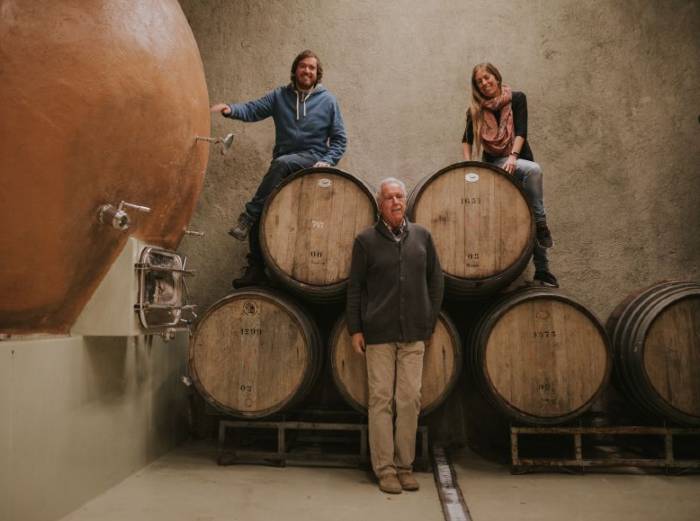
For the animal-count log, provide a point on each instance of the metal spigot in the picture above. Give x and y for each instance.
(117, 217)
(226, 142)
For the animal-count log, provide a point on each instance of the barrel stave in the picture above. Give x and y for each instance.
(308, 227)
(442, 365)
(481, 223)
(657, 351)
(540, 357)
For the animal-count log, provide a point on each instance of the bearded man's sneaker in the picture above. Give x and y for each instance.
(242, 228)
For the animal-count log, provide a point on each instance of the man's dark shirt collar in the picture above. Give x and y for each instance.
(396, 234)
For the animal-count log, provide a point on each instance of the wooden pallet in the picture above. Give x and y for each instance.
(313, 444)
(579, 460)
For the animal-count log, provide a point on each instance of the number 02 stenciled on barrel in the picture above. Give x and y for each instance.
(254, 353)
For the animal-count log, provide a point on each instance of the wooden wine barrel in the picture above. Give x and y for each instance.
(539, 356)
(308, 227)
(481, 223)
(655, 336)
(442, 364)
(254, 353)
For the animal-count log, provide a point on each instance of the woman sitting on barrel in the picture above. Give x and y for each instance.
(497, 125)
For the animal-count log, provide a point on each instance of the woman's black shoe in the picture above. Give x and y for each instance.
(546, 279)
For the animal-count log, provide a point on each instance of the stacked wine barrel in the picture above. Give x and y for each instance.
(536, 356)
(441, 366)
(540, 357)
(481, 223)
(656, 340)
(258, 352)
(308, 227)
(255, 353)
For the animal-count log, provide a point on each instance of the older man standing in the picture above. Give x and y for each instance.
(394, 297)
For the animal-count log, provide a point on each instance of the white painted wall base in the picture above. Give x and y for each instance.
(110, 310)
(79, 414)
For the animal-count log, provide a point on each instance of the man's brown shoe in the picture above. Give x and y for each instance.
(389, 483)
(408, 482)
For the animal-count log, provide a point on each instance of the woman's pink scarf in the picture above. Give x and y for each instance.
(497, 136)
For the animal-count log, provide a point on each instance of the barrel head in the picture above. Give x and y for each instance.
(441, 367)
(545, 359)
(250, 355)
(479, 219)
(309, 225)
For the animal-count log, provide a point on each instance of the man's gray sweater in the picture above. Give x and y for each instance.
(395, 289)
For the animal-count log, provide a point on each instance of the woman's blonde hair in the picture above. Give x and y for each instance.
(476, 110)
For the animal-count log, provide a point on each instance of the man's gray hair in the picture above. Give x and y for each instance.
(389, 181)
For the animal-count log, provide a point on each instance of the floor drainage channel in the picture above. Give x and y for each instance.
(454, 507)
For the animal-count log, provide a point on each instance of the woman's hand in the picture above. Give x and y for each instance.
(467, 151)
(510, 164)
(224, 109)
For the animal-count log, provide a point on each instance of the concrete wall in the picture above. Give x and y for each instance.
(613, 92)
(79, 414)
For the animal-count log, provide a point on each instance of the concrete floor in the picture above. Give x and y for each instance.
(493, 493)
(187, 485)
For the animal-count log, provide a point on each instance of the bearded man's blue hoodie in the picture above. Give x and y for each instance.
(304, 122)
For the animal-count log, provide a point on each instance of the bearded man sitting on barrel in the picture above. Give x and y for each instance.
(309, 132)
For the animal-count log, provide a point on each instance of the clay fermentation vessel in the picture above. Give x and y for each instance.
(100, 103)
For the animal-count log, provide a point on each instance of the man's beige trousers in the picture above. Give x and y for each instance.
(394, 374)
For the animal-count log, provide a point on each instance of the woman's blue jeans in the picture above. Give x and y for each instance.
(529, 175)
